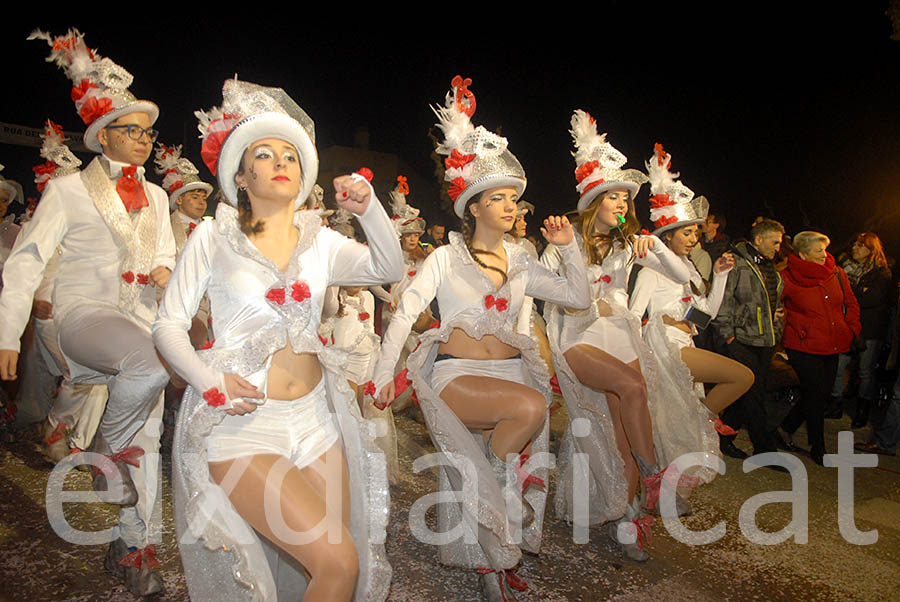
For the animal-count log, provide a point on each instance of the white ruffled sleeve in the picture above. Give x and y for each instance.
(353, 264)
(417, 296)
(664, 261)
(572, 291)
(179, 304)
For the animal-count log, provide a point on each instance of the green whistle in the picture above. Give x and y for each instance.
(620, 219)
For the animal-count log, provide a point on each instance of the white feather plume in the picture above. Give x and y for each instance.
(455, 124)
(661, 179)
(585, 136)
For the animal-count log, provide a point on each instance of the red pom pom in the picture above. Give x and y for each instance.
(214, 397)
(300, 291)
(366, 173)
(276, 295)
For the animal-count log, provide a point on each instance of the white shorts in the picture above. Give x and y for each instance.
(300, 430)
(681, 338)
(610, 334)
(447, 369)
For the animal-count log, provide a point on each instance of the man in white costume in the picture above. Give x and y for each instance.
(117, 247)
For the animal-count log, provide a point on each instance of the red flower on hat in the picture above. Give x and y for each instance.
(300, 291)
(665, 221)
(458, 160)
(465, 99)
(661, 154)
(214, 397)
(658, 201)
(457, 186)
(128, 276)
(366, 173)
(175, 186)
(212, 145)
(402, 186)
(79, 91)
(585, 169)
(94, 108)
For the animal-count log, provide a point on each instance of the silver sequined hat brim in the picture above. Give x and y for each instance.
(138, 106)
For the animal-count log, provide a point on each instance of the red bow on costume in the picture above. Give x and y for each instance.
(191, 227)
(129, 455)
(411, 274)
(369, 389)
(130, 190)
(299, 293)
(364, 316)
(686, 299)
(457, 159)
(457, 185)
(145, 557)
(526, 479)
(129, 277)
(722, 428)
(500, 303)
(208, 344)
(323, 339)
(512, 580)
(641, 528)
(672, 477)
(604, 278)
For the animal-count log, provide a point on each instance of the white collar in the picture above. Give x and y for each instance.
(186, 219)
(114, 168)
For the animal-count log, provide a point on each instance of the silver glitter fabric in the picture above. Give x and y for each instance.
(673, 204)
(138, 238)
(247, 99)
(54, 149)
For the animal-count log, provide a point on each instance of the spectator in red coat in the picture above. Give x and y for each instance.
(821, 321)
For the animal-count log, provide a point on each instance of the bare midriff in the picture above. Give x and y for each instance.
(681, 325)
(293, 375)
(489, 347)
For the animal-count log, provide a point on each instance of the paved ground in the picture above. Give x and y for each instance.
(36, 565)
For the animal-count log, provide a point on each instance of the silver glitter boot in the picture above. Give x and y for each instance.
(495, 588)
(682, 506)
(627, 532)
(117, 551)
(516, 505)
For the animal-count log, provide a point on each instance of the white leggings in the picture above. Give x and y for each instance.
(301, 430)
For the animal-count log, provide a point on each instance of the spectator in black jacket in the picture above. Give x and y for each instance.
(870, 278)
(714, 240)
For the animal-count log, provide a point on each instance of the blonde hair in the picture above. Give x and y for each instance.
(803, 241)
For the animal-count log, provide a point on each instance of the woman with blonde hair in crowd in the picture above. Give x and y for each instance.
(821, 321)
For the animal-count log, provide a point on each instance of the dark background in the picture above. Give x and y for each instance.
(767, 110)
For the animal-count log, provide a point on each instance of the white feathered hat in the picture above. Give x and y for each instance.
(477, 159)
(406, 217)
(179, 174)
(250, 112)
(59, 158)
(100, 89)
(672, 204)
(598, 163)
(13, 188)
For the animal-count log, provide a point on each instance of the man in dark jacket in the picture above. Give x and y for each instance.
(750, 321)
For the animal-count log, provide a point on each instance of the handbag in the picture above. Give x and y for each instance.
(858, 345)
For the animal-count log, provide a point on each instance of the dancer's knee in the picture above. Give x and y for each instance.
(745, 377)
(335, 562)
(533, 409)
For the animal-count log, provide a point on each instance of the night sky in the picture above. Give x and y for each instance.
(776, 111)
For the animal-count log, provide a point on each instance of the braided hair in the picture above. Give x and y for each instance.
(468, 232)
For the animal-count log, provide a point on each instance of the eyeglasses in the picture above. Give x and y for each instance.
(136, 132)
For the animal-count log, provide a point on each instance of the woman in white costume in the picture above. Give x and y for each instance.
(673, 308)
(247, 462)
(410, 227)
(603, 366)
(482, 386)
